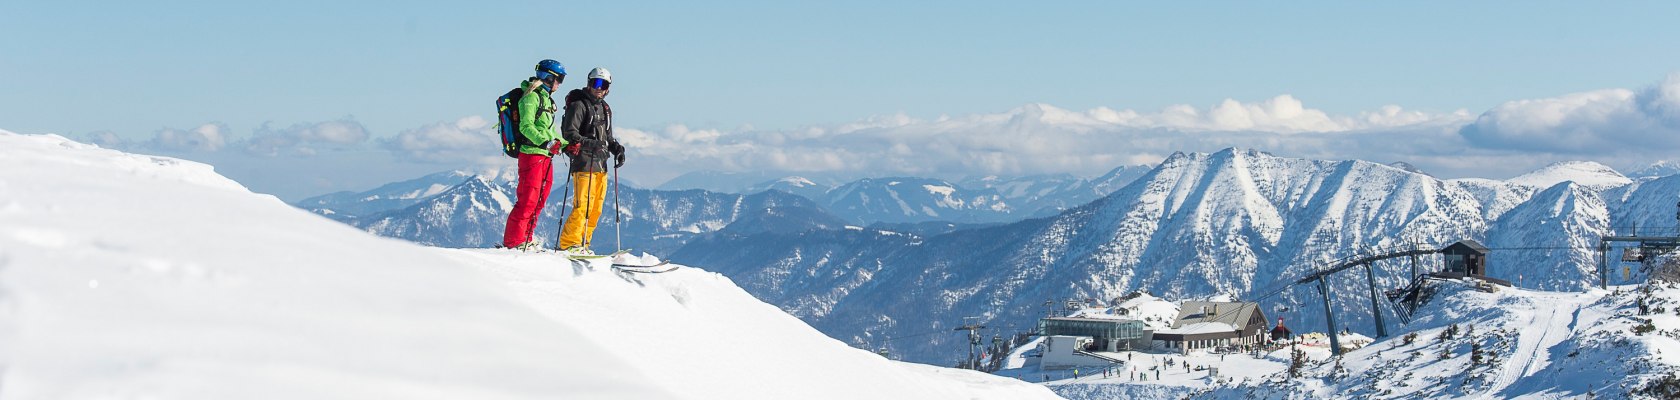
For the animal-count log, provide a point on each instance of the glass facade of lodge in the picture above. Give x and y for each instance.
(1096, 328)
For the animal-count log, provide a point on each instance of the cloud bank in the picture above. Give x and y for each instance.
(207, 137)
(468, 141)
(1599, 122)
(1039, 138)
(1627, 129)
(306, 138)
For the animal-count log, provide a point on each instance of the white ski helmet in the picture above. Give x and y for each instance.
(600, 73)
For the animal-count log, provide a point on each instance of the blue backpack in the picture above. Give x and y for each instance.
(507, 115)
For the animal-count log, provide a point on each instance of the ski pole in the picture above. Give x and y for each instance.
(588, 206)
(563, 216)
(618, 215)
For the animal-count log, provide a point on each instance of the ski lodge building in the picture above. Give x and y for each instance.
(1075, 341)
(1206, 325)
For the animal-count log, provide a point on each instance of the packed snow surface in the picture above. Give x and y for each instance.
(130, 276)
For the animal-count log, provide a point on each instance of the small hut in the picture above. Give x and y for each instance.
(1466, 257)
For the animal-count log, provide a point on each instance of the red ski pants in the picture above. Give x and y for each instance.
(536, 177)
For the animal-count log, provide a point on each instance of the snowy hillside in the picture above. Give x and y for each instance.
(915, 200)
(1648, 206)
(1562, 225)
(1047, 195)
(1531, 344)
(129, 276)
(1511, 343)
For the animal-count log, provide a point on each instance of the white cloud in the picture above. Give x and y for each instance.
(1601, 122)
(1033, 139)
(468, 140)
(1626, 129)
(207, 137)
(306, 139)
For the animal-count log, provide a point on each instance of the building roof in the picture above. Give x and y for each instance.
(1234, 314)
(1200, 327)
(1114, 319)
(1469, 244)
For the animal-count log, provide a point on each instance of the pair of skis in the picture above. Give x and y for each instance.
(662, 267)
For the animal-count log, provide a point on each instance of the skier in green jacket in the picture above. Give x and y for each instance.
(536, 163)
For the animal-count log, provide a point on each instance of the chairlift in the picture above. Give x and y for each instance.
(1633, 254)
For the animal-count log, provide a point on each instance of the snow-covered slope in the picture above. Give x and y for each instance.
(915, 200)
(1496, 196)
(1561, 226)
(1648, 206)
(1512, 343)
(1047, 195)
(1532, 344)
(1587, 173)
(128, 276)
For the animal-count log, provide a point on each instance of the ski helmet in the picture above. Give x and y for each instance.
(600, 78)
(547, 68)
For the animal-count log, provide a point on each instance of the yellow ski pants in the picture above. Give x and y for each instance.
(591, 189)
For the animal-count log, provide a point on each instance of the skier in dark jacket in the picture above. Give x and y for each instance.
(536, 167)
(587, 125)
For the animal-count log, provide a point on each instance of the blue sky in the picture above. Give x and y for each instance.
(130, 70)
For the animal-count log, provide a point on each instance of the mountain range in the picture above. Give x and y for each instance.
(1232, 223)
(468, 208)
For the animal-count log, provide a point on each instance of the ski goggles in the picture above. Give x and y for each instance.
(546, 76)
(598, 83)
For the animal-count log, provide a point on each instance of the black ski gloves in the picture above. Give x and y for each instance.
(618, 153)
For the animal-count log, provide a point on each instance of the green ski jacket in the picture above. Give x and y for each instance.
(536, 118)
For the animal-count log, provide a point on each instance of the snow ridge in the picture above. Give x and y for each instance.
(196, 288)
(1588, 173)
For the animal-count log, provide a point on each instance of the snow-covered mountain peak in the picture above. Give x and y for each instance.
(796, 181)
(1222, 156)
(1233, 152)
(1588, 173)
(1658, 169)
(1408, 167)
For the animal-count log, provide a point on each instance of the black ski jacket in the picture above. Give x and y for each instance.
(588, 117)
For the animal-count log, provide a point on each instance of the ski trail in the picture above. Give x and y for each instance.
(1531, 354)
